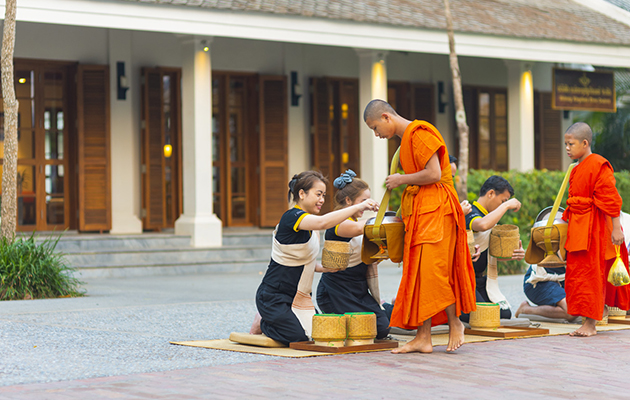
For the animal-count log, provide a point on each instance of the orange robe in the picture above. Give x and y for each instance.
(593, 200)
(437, 268)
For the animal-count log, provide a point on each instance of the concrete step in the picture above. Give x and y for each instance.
(220, 266)
(91, 242)
(172, 256)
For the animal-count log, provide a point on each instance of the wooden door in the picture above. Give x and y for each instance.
(547, 133)
(93, 134)
(43, 90)
(161, 147)
(334, 129)
(274, 150)
(235, 151)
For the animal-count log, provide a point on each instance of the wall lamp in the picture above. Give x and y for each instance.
(121, 81)
(296, 89)
(442, 98)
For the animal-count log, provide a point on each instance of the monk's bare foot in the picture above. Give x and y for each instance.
(455, 335)
(587, 329)
(255, 329)
(520, 308)
(417, 345)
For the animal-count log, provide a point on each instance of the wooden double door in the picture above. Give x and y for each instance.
(249, 148)
(63, 176)
(335, 144)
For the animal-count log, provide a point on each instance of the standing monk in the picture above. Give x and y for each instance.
(438, 281)
(593, 210)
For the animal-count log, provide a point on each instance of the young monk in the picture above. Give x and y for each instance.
(283, 298)
(593, 210)
(354, 289)
(438, 281)
(495, 199)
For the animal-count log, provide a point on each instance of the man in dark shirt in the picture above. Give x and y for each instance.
(494, 201)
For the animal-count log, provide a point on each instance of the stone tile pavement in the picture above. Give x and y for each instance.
(113, 344)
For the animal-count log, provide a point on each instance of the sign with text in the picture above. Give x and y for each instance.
(583, 90)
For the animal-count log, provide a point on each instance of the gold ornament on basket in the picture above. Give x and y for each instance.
(503, 241)
(361, 328)
(487, 315)
(336, 254)
(329, 330)
(383, 235)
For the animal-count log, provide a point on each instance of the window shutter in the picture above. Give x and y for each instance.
(273, 137)
(152, 150)
(94, 175)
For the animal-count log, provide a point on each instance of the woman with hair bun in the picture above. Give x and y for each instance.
(283, 299)
(354, 289)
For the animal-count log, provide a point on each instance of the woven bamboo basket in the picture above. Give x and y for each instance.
(503, 241)
(616, 313)
(336, 254)
(603, 321)
(329, 330)
(487, 315)
(361, 328)
(470, 236)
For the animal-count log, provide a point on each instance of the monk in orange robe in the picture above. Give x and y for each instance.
(438, 281)
(593, 210)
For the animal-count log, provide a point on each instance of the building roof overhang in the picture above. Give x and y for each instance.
(209, 22)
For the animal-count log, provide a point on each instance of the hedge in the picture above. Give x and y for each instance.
(535, 190)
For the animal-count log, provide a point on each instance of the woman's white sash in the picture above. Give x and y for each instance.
(296, 255)
(492, 283)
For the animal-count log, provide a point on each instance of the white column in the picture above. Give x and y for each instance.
(520, 115)
(125, 140)
(198, 219)
(372, 85)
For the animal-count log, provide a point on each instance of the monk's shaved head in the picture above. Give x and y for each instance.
(376, 108)
(581, 131)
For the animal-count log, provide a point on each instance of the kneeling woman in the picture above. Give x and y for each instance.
(354, 289)
(283, 298)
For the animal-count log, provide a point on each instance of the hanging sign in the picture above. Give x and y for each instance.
(583, 90)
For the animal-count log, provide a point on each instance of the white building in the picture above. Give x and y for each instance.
(247, 93)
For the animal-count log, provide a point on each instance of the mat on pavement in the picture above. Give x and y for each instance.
(438, 340)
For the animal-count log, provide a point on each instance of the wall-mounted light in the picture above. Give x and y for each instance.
(22, 80)
(296, 89)
(168, 149)
(442, 98)
(121, 80)
(204, 45)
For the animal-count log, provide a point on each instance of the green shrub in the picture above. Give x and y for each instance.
(34, 270)
(535, 190)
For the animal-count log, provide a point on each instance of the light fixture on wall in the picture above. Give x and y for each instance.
(168, 149)
(121, 81)
(204, 44)
(296, 89)
(442, 98)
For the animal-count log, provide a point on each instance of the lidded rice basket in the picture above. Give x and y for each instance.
(603, 321)
(336, 254)
(616, 313)
(487, 315)
(329, 329)
(503, 241)
(361, 328)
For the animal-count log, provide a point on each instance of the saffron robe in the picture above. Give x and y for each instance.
(437, 268)
(593, 200)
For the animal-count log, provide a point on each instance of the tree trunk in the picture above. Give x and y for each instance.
(9, 172)
(460, 113)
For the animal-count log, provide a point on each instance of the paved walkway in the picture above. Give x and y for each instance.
(113, 343)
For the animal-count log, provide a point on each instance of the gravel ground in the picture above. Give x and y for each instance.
(123, 326)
